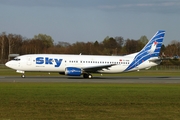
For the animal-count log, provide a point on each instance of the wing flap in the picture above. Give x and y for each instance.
(96, 68)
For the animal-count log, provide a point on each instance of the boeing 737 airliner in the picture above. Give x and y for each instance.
(77, 65)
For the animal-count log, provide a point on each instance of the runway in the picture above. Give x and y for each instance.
(65, 79)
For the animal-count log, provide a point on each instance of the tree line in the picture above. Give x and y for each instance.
(42, 43)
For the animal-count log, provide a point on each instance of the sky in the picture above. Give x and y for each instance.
(91, 20)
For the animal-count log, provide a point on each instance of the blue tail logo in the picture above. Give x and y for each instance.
(151, 49)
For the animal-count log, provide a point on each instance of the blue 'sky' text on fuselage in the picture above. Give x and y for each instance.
(48, 61)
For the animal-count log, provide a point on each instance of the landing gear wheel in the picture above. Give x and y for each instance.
(87, 76)
(90, 76)
(23, 76)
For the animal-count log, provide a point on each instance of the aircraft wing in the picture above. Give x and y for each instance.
(97, 68)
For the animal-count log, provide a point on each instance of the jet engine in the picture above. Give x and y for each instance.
(72, 71)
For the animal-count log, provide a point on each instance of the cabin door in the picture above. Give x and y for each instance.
(29, 62)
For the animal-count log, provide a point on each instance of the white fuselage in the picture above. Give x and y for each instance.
(58, 63)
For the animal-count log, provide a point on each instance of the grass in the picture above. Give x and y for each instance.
(89, 101)
(4, 71)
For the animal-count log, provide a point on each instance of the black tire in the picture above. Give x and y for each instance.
(90, 76)
(87, 76)
(23, 76)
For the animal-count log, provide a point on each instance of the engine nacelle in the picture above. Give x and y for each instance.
(72, 71)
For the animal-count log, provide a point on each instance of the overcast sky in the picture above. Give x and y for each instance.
(90, 20)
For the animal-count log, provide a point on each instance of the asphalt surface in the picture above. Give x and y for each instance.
(66, 79)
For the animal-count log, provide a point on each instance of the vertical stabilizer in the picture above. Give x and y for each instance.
(151, 49)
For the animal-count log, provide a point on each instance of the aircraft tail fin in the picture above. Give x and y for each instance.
(150, 50)
(153, 47)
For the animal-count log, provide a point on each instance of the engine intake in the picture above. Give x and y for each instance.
(72, 71)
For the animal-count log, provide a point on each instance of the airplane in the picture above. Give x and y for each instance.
(85, 65)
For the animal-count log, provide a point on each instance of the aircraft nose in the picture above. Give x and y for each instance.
(12, 64)
(8, 64)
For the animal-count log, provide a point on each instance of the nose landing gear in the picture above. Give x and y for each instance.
(23, 76)
(19, 71)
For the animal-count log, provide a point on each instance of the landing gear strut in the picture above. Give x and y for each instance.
(23, 76)
(87, 75)
(22, 72)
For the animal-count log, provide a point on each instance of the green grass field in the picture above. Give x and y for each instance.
(22, 101)
(29, 101)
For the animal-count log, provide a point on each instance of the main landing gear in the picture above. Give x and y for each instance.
(87, 75)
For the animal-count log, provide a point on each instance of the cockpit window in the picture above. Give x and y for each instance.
(17, 59)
